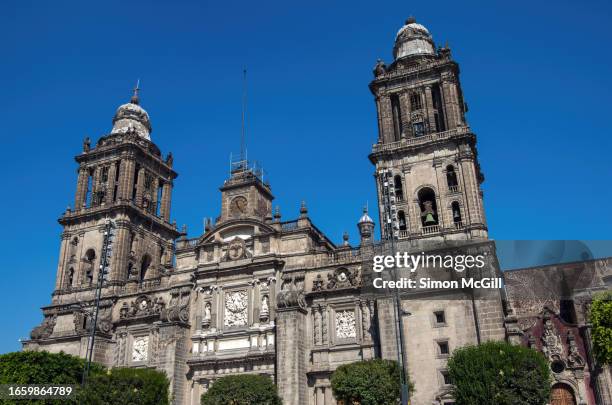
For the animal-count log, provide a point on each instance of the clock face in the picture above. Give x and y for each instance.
(238, 206)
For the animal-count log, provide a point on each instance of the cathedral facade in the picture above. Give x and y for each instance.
(259, 294)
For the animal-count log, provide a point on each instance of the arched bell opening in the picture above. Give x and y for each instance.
(428, 206)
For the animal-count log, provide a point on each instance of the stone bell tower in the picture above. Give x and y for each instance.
(427, 170)
(125, 179)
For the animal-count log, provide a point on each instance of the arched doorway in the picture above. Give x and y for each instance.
(562, 394)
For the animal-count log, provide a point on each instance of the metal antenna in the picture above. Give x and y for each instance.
(243, 132)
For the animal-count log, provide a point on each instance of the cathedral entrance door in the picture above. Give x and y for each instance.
(562, 395)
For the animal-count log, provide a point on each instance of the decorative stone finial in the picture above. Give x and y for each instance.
(410, 20)
(135, 99)
(86, 144)
(345, 238)
(303, 210)
(277, 214)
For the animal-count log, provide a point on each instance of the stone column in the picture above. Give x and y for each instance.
(448, 104)
(140, 186)
(404, 100)
(431, 119)
(61, 266)
(381, 137)
(110, 184)
(291, 349)
(471, 190)
(121, 251)
(387, 119)
(166, 198)
(126, 181)
(81, 192)
(387, 328)
(456, 103)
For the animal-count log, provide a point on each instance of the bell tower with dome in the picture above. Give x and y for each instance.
(122, 178)
(427, 170)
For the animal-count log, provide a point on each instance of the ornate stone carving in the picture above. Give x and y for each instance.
(140, 349)
(291, 294)
(316, 327)
(551, 341)
(343, 278)
(144, 305)
(45, 329)
(345, 325)
(318, 283)
(236, 304)
(178, 308)
(365, 320)
(236, 249)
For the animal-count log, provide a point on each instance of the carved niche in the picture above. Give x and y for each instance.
(236, 305)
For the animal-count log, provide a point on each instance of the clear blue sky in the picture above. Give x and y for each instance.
(536, 76)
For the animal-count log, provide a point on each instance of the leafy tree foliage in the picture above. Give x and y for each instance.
(601, 319)
(499, 373)
(127, 386)
(30, 367)
(247, 389)
(371, 382)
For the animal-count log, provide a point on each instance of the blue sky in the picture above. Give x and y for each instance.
(536, 76)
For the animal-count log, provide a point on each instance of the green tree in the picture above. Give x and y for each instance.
(247, 389)
(31, 367)
(370, 382)
(499, 373)
(601, 319)
(126, 386)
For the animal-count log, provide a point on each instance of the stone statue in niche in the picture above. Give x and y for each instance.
(207, 315)
(265, 309)
(317, 283)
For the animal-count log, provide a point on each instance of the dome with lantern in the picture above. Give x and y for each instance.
(132, 118)
(413, 39)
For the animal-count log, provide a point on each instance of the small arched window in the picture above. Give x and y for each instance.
(451, 178)
(90, 258)
(144, 267)
(399, 189)
(456, 212)
(401, 219)
(428, 206)
(70, 276)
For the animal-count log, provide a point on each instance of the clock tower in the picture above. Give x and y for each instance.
(245, 194)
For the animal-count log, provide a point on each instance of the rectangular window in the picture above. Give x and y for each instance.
(443, 348)
(446, 379)
(418, 128)
(440, 318)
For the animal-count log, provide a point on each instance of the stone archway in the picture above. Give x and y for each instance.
(562, 394)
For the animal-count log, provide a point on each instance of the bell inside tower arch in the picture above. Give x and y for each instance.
(428, 206)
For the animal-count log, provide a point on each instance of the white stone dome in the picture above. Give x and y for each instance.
(413, 39)
(131, 117)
